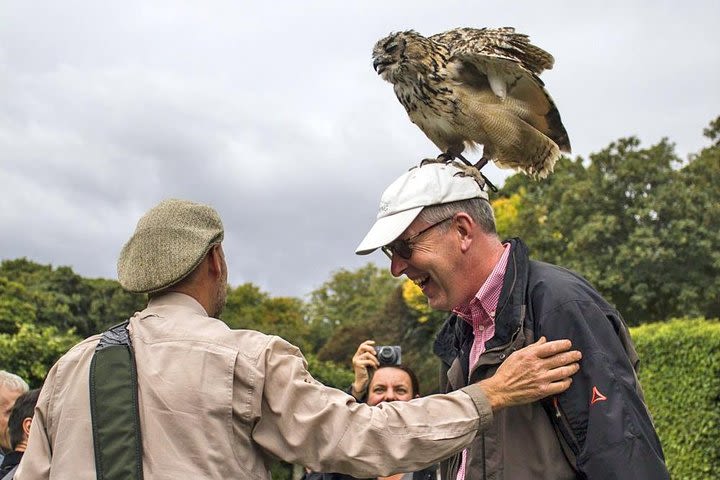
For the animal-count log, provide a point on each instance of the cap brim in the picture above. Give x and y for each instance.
(387, 229)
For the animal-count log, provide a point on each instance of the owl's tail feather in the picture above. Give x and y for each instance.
(514, 143)
(536, 155)
(557, 130)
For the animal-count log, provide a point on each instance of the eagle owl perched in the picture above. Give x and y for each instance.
(472, 86)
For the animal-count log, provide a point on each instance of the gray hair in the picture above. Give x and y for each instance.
(13, 382)
(478, 209)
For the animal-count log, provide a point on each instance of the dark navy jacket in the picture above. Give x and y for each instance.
(601, 422)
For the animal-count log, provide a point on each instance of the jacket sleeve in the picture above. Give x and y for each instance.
(603, 416)
(302, 421)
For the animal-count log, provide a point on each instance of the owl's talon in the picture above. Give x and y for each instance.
(446, 157)
(426, 161)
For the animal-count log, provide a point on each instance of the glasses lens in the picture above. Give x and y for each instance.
(404, 247)
(398, 247)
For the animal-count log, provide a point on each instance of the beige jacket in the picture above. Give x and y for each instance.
(218, 403)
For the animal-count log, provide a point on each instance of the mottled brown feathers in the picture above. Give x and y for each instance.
(471, 86)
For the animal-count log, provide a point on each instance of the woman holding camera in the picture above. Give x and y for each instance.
(380, 377)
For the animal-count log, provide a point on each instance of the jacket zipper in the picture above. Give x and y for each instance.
(575, 446)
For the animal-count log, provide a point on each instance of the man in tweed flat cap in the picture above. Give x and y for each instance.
(216, 403)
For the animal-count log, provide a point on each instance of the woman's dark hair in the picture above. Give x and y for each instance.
(413, 378)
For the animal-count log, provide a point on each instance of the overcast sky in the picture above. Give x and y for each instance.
(272, 113)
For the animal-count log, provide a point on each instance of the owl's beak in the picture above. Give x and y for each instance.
(378, 65)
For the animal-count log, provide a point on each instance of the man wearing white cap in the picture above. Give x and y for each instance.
(437, 226)
(216, 403)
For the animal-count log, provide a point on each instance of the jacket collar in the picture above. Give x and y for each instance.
(174, 299)
(509, 314)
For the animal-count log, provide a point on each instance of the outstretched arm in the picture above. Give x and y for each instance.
(302, 421)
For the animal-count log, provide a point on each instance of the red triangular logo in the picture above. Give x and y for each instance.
(597, 396)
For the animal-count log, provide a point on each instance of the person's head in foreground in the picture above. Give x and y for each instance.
(437, 226)
(177, 247)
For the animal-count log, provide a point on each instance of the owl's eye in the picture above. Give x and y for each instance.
(391, 48)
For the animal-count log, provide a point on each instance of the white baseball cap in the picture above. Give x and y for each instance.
(404, 199)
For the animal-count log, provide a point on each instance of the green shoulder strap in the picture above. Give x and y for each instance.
(114, 407)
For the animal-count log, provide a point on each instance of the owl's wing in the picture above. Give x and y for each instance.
(504, 59)
(506, 63)
(499, 43)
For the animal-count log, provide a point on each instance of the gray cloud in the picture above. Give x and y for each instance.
(272, 114)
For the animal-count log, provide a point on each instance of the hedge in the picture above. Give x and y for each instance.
(680, 375)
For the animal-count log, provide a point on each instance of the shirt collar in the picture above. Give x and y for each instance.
(488, 295)
(176, 299)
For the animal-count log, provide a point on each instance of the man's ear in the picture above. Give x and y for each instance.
(464, 226)
(27, 421)
(216, 260)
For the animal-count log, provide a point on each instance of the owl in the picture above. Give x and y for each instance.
(468, 87)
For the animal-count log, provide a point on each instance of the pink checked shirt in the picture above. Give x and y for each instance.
(480, 313)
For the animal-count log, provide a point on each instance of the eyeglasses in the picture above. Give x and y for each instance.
(404, 247)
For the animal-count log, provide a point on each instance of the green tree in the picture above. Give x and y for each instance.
(15, 307)
(713, 132)
(680, 266)
(402, 321)
(639, 224)
(330, 373)
(68, 301)
(105, 304)
(507, 212)
(250, 308)
(414, 330)
(348, 298)
(32, 350)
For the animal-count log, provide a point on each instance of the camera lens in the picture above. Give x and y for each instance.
(386, 355)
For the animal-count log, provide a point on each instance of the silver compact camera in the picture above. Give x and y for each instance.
(389, 354)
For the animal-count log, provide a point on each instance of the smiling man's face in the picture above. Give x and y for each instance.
(433, 265)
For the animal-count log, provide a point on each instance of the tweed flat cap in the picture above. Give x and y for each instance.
(169, 241)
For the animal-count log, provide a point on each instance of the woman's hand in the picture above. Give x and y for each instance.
(364, 359)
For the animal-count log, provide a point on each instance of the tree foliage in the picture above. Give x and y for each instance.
(331, 374)
(250, 308)
(680, 375)
(347, 298)
(65, 300)
(410, 325)
(640, 224)
(46, 310)
(31, 350)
